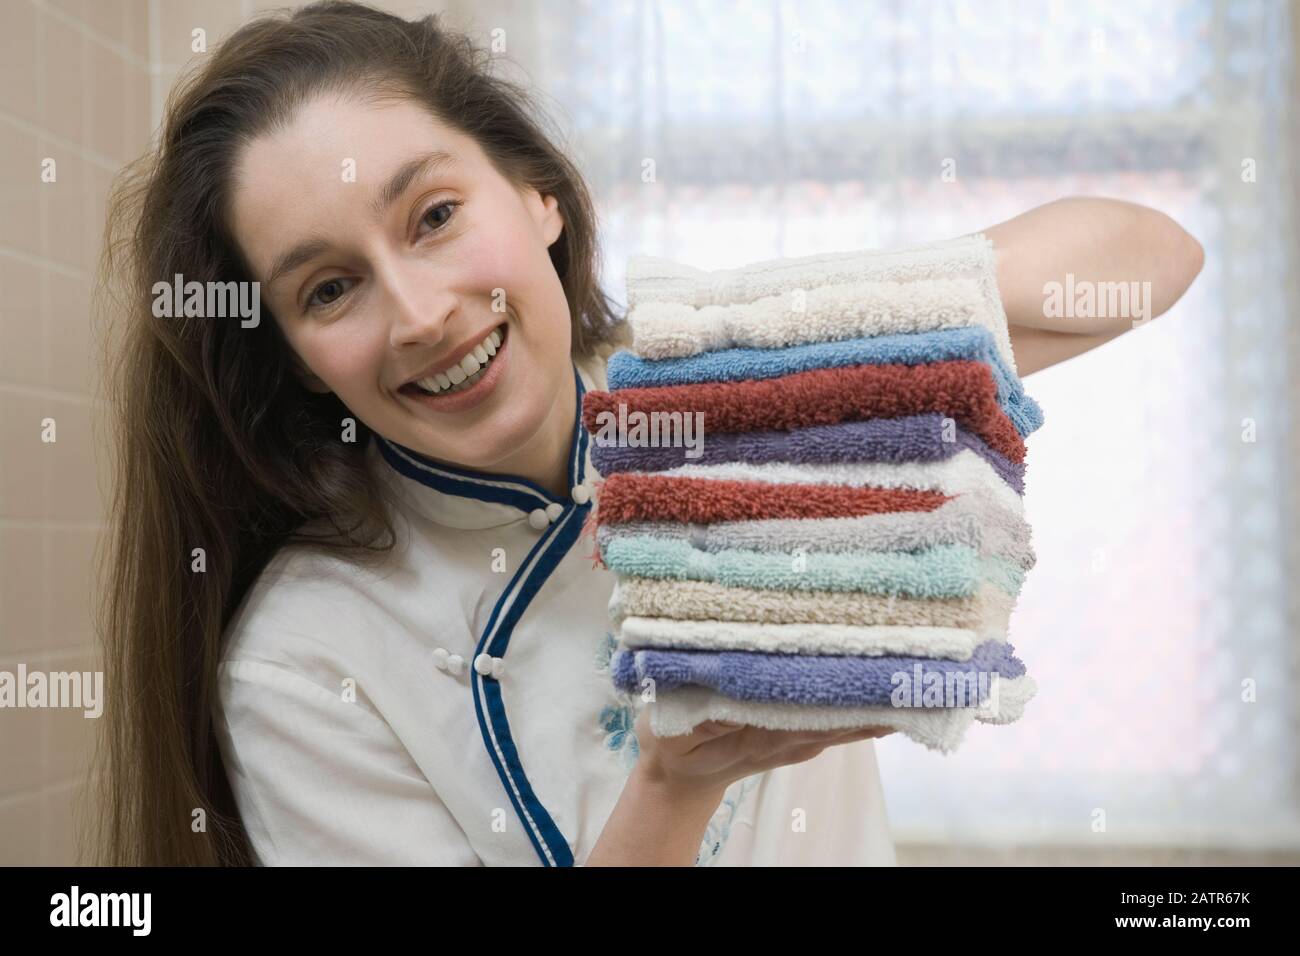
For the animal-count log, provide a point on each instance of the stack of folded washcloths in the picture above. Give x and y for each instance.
(844, 546)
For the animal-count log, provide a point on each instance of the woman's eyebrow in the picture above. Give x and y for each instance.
(388, 194)
(406, 174)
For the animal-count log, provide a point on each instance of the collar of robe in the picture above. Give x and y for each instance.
(462, 498)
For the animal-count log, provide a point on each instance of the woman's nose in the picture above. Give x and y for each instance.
(418, 312)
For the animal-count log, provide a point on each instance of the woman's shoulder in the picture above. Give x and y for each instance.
(306, 607)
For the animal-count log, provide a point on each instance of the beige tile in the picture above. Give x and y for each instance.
(98, 183)
(137, 119)
(70, 470)
(22, 754)
(20, 830)
(71, 587)
(64, 58)
(18, 77)
(178, 20)
(106, 111)
(64, 231)
(108, 19)
(22, 466)
(20, 185)
(80, 9)
(23, 590)
(22, 348)
(136, 29)
(69, 733)
(22, 739)
(68, 333)
(63, 827)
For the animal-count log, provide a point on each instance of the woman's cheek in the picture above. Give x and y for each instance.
(503, 265)
(351, 361)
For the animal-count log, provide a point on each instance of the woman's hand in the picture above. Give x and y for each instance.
(678, 783)
(718, 753)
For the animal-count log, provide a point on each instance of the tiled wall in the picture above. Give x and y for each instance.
(82, 83)
(74, 90)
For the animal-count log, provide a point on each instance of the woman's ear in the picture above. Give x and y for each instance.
(553, 220)
(546, 213)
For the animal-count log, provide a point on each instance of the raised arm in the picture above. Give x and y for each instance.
(1080, 271)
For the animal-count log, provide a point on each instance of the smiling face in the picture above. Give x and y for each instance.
(395, 284)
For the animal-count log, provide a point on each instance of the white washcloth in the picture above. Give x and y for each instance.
(679, 711)
(824, 314)
(950, 643)
(963, 473)
(676, 309)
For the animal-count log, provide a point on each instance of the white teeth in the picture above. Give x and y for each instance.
(465, 372)
(468, 382)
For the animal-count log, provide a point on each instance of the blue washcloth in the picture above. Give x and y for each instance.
(973, 343)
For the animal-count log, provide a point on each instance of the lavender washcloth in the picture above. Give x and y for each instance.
(822, 680)
(910, 438)
(975, 343)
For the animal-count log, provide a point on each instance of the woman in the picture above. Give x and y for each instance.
(351, 621)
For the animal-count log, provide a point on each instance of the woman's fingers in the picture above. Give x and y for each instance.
(715, 728)
(861, 733)
(762, 744)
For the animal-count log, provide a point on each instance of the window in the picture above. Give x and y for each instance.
(721, 133)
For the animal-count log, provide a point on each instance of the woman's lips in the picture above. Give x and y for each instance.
(467, 398)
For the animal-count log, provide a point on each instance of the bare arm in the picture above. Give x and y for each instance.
(1079, 242)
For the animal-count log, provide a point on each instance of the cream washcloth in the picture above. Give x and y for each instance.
(841, 639)
(987, 612)
(676, 309)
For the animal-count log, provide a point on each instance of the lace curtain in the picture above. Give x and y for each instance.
(720, 133)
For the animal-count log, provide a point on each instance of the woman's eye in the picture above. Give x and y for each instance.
(437, 224)
(331, 290)
(323, 291)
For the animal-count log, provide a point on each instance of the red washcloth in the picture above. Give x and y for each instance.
(962, 390)
(632, 496)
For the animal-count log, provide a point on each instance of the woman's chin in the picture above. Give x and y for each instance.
(488, 446)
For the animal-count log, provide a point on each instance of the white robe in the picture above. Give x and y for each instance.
(346, 743)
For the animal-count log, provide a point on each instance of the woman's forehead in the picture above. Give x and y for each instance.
(336, 159)
(329, 137)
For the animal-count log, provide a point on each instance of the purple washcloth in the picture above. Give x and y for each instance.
(911, 438)
(821, 679)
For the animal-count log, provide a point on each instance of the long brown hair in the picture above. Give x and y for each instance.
(218, 445)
